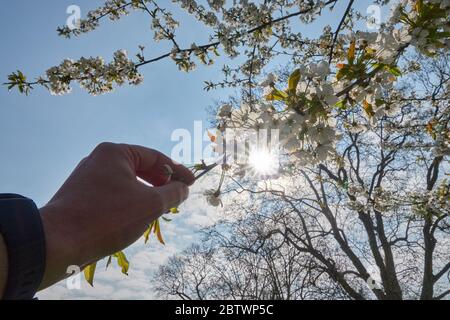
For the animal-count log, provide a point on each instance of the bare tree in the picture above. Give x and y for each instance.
(373, 225)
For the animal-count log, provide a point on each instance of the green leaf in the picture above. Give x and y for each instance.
(341, 74)
(294, 80)
(277, 95)
(89, 273)
(216, 52)
(20, 80)
(122, 262)
(22, 77)
(379, 102)
(368, 109)
(394, 70)
(341, 104)
(149, 231)
(351, 52)
(158, 232)
(418, 7)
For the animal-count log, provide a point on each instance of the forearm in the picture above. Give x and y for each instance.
(3, 266)
(102, 208)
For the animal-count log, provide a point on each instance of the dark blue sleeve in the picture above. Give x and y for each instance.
(23, 233)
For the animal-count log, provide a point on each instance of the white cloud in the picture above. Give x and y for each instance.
(144, 259)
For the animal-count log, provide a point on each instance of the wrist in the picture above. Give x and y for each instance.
(62, 250)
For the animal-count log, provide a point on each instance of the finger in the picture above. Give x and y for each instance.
(168, 196)
(83, 161)
(156, 168)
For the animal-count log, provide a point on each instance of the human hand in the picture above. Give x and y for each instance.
(102, 208)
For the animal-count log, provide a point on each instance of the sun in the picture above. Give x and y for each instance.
(263, 162)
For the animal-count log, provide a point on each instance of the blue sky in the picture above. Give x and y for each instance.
(43, 137)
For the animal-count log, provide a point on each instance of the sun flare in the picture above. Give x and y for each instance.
(263, 162)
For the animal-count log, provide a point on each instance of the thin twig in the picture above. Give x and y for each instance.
(250, 31)
(336, 34)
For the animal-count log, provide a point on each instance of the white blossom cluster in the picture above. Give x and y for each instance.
(164, 26)
(380, 200)
(248, 28)
(425, 23)
(436, 202)
(308, 129)
(359, 198)
(358, 77)
(113, 9)
(232, 22)
(162, 22)
(213, 197)
(93, 74)
(306, 124)
(306, 132)
(442, 142)
(383, 200)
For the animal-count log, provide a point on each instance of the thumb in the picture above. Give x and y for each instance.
(170, 195)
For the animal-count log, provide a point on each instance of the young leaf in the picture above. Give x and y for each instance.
(211, 136)
(418, 6)
(22, 77)
(394, 70)
(430, 130)
(277, 95)
(158, 232)
(368, 108)
(294, 80)
(351, 52)
(341, 74)
(430, 127)
(149, 231)
(370, 51)
(89, 273)
(174, 211)
(341, 104)
(122, 262)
